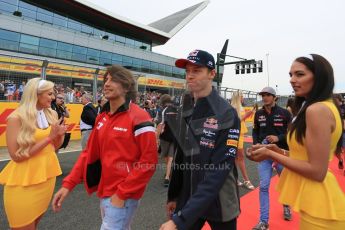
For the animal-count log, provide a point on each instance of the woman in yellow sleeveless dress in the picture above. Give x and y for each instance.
(33, 132)
(306, 183)
(236, 102)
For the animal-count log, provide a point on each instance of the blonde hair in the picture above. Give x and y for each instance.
(236, 101)
(27, 113)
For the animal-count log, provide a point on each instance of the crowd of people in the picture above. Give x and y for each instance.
(10, 91)
(200, 139)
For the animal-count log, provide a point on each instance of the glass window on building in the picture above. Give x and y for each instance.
(178, 73)
(161, 69)
(127, 59)
(10, 2)
(48, 43)
(97, 32)
(27, 39)
(7, 7)
(64, 46)
(129, 42)
(137, 44)
(105, 61)
(44, 18)
(79, 57)
(92, 56)
(44, 51)
(145, 67)
(86, 29)
(26, 5)
(106, 55)
(116, 57)
(127, 62)
(154, 67)
(74, 25)
(182, 73)
(93, 52)
(63, 54)
(112, 37)
(9, 45)
(137, 64)
(28, 48)
(168, 70)
(120, 39)
(79, 49)
(59, 22)
(9, 35)
(92, 59)
(28, 13)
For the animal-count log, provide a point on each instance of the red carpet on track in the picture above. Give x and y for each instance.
(250, 206)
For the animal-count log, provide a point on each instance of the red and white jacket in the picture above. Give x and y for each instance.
(120, 156)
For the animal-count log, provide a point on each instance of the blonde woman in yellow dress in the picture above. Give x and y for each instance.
(306, 183)
(236, 102)
(33, 133)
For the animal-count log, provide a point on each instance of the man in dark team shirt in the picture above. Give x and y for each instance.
(270, 126)
(203, 184)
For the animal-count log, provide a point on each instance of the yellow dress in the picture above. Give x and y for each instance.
(320, 203)
(29, 184)
(243, 130)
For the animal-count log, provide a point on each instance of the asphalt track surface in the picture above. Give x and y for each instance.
(81, 211)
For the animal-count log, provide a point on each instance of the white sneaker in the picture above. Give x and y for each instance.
(248, 185)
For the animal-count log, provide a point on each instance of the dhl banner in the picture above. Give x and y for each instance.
(22, 61)
(160, 83)
(6, 108)
(54, 69)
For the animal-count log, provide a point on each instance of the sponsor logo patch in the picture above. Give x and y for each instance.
(232, 131)
(230, 142)
(211, 123)
(207, 143)
(194, 53)
(233, 136)
(208, 133)
(231, 152)
(120, 129)
(261, 118)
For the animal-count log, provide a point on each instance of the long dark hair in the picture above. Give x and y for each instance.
(322, 90)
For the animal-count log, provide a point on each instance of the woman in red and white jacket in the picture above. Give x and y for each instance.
(120, 156)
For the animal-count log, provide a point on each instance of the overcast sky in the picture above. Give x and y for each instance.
(282, 29)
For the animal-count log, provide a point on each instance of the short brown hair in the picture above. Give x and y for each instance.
(165, 99)
(124, 77)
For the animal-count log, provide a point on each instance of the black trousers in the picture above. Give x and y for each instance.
(230, 225)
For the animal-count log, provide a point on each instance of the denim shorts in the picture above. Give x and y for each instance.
(114, 218)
